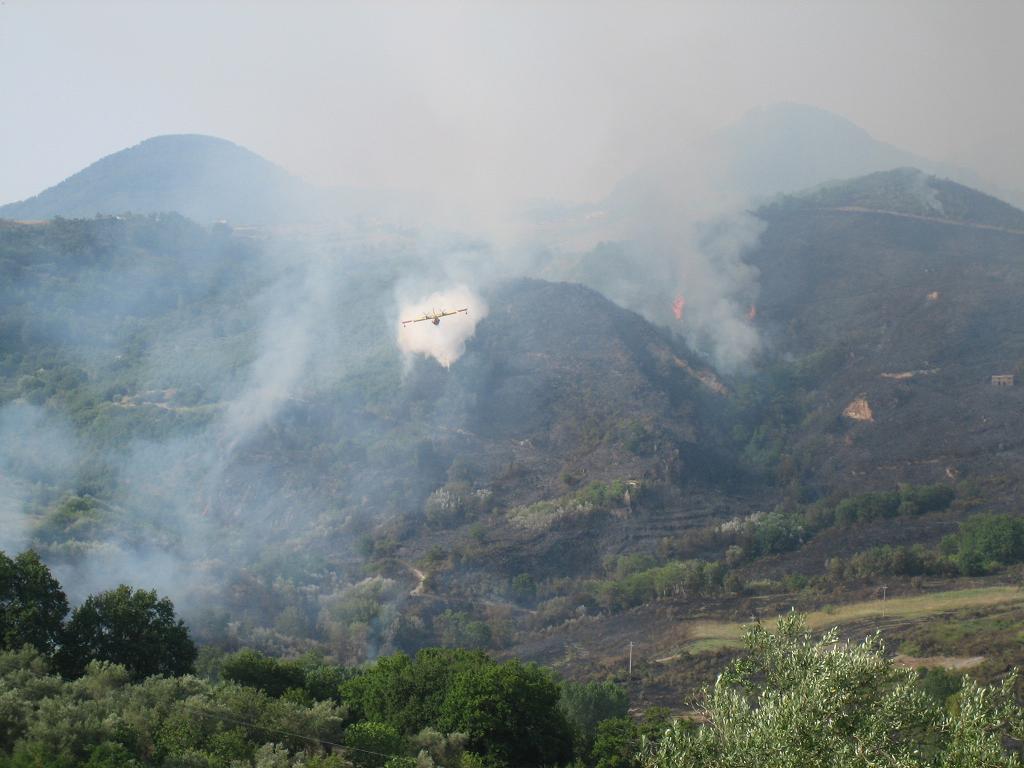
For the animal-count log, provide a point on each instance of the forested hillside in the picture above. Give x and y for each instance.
(224, 416)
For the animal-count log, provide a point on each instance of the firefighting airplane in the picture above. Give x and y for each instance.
(434, 316)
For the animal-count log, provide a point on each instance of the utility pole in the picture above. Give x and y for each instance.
(630, 658)
(884, 587)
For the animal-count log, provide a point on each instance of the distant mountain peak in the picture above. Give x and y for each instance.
(793, 115)
(771, 150)
(188, 138)
(202, 177)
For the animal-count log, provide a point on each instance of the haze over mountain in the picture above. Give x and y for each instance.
(781, 148)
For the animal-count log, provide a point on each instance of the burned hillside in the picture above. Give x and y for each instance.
(902, 315)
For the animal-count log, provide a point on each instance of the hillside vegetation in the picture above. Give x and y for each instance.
(223, 415)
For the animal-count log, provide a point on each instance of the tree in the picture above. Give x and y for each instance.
(509, 712)
(133, 628)
(370, 744)
(587, 704)
(795, 701)
(460, 630)
(616, 744)
(986, 541)
(918, 499)
(256, 670)
(32, 604)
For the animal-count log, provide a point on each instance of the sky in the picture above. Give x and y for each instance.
(555, 100)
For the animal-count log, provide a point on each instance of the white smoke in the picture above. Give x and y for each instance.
(926, 194)
(447, 341)
(719, 288)
(298, 307)
(36, 450)
(684, 232)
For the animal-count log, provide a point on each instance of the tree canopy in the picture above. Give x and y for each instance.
(32, 604)
(133, 628)
(798, 702)
(509, 711)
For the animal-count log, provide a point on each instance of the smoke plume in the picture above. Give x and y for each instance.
(37, 451)
(446, 341)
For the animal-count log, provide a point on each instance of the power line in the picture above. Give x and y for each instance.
(282, 732)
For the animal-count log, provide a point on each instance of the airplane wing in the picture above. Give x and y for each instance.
(435, 315)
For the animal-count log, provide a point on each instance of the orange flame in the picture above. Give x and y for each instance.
(752, 313)
(678, 306)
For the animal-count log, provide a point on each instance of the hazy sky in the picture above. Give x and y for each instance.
(541, 99)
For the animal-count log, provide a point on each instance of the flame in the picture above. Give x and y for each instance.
(752, 313)
(678, 306)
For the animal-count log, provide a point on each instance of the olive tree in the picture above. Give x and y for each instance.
(798, 702)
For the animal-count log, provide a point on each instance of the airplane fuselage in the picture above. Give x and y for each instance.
(434, 316)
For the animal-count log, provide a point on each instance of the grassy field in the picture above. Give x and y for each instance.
(703, 636)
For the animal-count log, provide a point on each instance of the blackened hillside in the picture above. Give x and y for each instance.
(904, 295)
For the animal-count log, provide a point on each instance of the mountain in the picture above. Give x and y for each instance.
(778, 149)
(902, 292)
(229, 419)
(909, 192)
(886, 304)
(228, 400)
(789, 147)
(202, 177)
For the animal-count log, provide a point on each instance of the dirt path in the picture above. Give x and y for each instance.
(956, 663)
(420, 587)
(420, 590)
(919, 217)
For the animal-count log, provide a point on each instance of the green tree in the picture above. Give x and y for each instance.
(256, 670)
(403, 692)
(102, 719)
(460, 630)
(939, 684)
(370, 744)
(868, 506)
(987, 541)
(133, 628)
(323, 681)
(797, 702)
(32, 604)
(510, 713)
(110, 754)
(616, 744)
(587, 704)
(918, 499)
